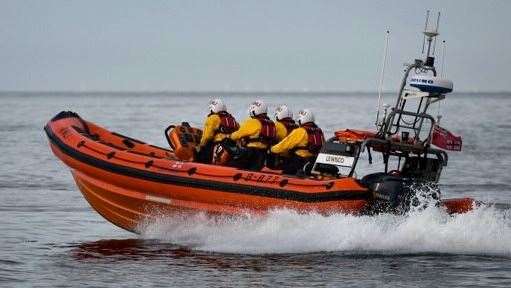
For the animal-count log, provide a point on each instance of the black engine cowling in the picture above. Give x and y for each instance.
(397, 194)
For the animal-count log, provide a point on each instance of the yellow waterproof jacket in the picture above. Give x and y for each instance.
(209, 132)
(281, 130)
(298, 140)
(250, 128)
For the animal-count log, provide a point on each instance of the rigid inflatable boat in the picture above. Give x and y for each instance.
(128, 181)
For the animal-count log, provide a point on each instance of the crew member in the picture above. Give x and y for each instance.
(304, 143)
(218, 125)
(256, 135)
(284, 124)
(284, 121)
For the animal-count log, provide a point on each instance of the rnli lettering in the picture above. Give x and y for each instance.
(65, 132)
(177, 165)
(261, 178)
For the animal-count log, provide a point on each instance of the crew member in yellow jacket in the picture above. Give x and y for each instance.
(256, 134)
(303, 143)
(218, 125)
(284, 123)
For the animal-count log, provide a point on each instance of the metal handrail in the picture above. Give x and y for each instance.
(371, 142)
(390, 119)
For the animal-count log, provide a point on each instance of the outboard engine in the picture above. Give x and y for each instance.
(388, 192)
(397, 194)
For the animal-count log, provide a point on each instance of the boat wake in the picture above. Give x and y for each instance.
(485, 230)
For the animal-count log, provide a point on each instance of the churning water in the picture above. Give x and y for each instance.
(51, 237)
(483, 231)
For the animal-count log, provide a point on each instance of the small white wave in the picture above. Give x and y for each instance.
(484, 230)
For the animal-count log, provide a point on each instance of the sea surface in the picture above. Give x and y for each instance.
(50, 236)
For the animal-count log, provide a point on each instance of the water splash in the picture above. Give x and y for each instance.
(484, 230)
(424, 194)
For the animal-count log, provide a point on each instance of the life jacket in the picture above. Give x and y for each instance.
(268, 133)
(315, 138)
(289, 123)
(228, 123)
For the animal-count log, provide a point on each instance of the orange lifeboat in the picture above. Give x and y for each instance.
(126, 180)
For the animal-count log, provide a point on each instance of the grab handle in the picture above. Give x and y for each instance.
(167, 131)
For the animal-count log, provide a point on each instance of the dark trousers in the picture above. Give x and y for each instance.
(274, 161)
(205, 154)
(252, 159)
(298, 166)
(277, 162)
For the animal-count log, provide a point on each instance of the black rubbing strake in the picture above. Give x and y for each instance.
(205, 184)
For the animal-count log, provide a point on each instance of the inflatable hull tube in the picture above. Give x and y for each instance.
(128, 181)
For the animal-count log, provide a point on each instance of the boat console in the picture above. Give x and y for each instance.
(337, 158)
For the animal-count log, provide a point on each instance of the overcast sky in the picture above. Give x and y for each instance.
(244, 45)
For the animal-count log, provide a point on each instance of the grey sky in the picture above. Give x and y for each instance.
(243, 45)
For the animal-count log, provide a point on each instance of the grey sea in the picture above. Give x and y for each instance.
(51, 237)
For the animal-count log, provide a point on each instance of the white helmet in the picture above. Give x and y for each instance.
(257, 107)
(283, 112)
(305, 116)
(216, 105)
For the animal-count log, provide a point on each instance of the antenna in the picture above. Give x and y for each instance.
(429, 35)
(425, 28)
(382, 74)
(436, 30)
(442, 74)
(437, 22)
(442, 69)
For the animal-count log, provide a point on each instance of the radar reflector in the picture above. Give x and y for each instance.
(431, 84)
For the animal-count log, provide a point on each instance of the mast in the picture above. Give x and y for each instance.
(382, 74)
(428, 88)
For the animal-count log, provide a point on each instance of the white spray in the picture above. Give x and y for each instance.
(484, 230)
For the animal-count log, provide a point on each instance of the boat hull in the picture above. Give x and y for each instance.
(131, 184)
(127, 201)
